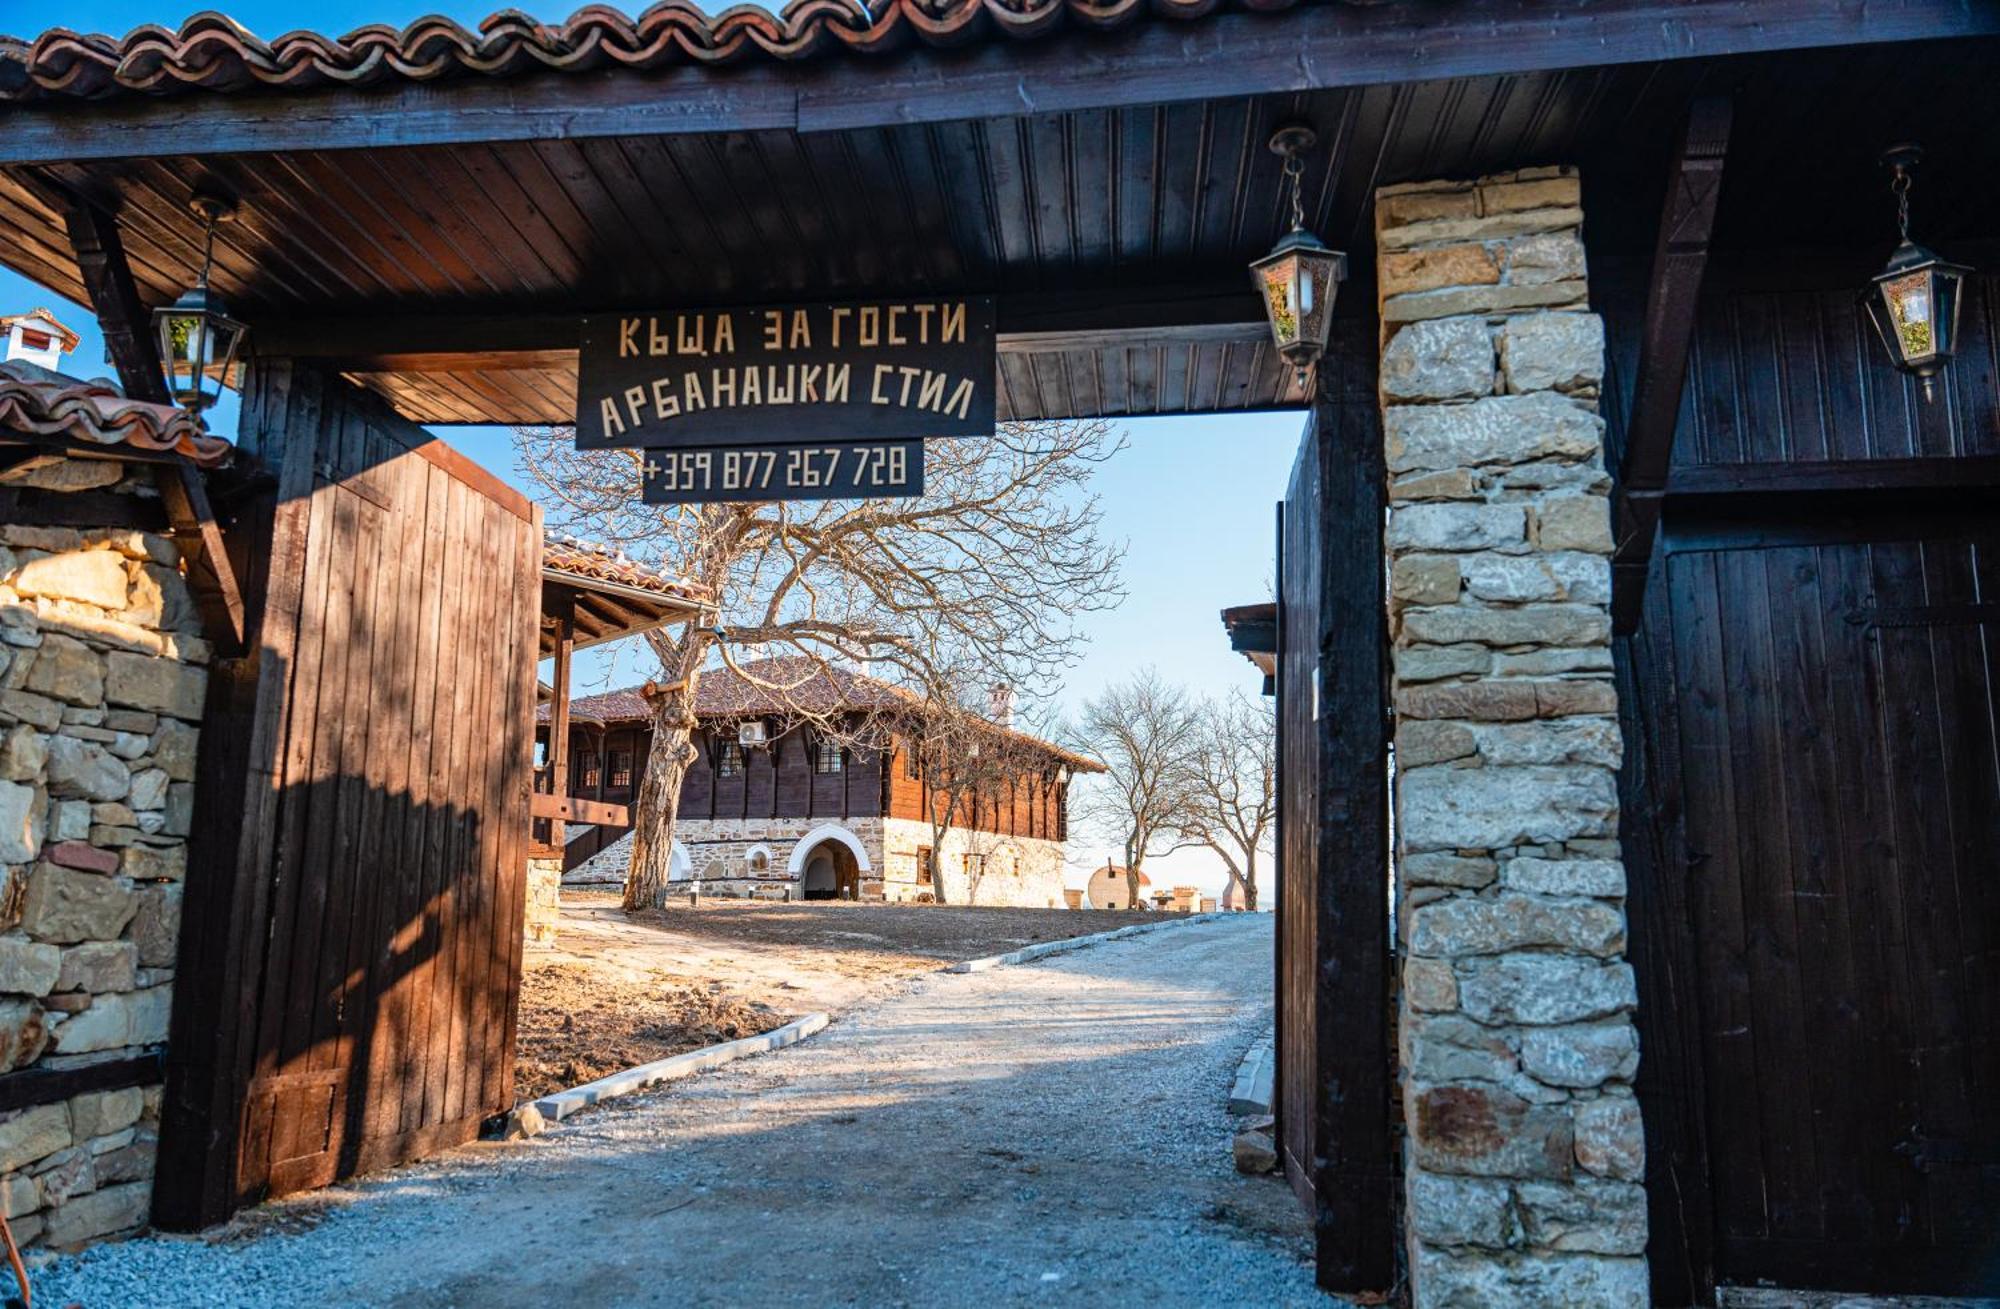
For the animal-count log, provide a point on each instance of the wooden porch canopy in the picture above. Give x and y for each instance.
(605, 596)
(432, 208)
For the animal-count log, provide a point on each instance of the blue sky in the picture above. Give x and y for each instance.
(1191, 497)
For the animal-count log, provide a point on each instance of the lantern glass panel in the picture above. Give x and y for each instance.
(1279, 281)
(1912, 320)
(198, 346)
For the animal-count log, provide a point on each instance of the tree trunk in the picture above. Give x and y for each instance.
(1250, 883)
(1134, 856)
(667, 763)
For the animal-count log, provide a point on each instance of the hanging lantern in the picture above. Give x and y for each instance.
(198, 339)
(1299, 278)
(1915, 301)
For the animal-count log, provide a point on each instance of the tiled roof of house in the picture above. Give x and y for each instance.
(41, 403)
(780, 685)
(211, 52)
(580, 558)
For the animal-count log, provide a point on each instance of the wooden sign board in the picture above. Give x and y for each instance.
(787, 374)
(825, 470)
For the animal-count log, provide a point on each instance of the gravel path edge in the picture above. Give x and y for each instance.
(562, 1104)
(1030, 953)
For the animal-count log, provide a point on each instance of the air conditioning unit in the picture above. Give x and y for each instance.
(751, 733)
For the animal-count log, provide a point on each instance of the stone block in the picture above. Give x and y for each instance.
(33, 1134)
(113, 837)
(68, 670)
(1429, 985)
(100, 1113)
(1563, 191)
(1452, 231)
(1254, 1152)
(1587, 1215)
(65, 905)
(27, 707)
(1462, 1210)
(160, 598)
(28, 967)
(1445, 484)
(132, 720)
(1467, 872)
(1601, 877)
(1439, 359)
(23, 753)
(104, 1024)
(1501, 429)
(1610, 1141)
(178, 816)
(1511, 577)
(174, 749)
(145, 863)
(1451, 301)
(1423, 663)
(1484, 1131)
(1424, 579)
(71, 822)
(83, 769)
(97, 967)
(24, 1033)
(19, 1195)
(76, 854)
(1552, 352)
(1570, 696)
(1398, 208)
(1448, 1048)
(161, 685)
(1510, 921)
(65, 1176)
(1576, 522)
(1470, 263)
(101, 1213)
(1456, 526)
(23, 822)
(1419, 742)
(95, 577)
(156, 924)
(133, 1163)
(1581, 1055)
(1531, 624)
(1543, 989)
(1442, 1279)
(1540, 258)
(1486, 701)
(1497, 808)
(149, 789)
(1550, 741)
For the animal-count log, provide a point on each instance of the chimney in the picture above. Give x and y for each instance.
(1000, 704)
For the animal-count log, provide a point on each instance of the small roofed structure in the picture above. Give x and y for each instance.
(1110, 887)
(1253, 633)
(37, 337)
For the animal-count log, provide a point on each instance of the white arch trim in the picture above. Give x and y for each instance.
(819, 836)
(679, 866)
(750, 857)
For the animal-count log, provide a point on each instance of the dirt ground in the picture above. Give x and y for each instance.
(618, 991)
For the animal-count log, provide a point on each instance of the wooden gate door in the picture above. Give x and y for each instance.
(350, 955)
(1823, 722)
(1333, 992)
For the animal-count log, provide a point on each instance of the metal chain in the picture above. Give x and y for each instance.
(1901, 186)
(1296, 171)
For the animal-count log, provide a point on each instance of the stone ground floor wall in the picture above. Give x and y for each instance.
(1524, 1151)
(542, 907)
(102, 680)
(727, 855)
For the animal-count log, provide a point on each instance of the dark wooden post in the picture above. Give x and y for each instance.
(1358, 1184)
(564, 607)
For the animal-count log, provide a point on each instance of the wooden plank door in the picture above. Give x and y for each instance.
(1333, 966)
(349, 979)
(1833, 817)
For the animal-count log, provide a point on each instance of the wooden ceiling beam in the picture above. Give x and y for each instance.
(1220, 56)
(1679, 261)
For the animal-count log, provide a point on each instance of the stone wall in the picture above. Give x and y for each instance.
(1523, 1144)
(1020, 871)
(542, 909)
(101, 687)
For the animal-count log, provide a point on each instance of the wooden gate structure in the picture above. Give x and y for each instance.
(351, 951)
(425, 216)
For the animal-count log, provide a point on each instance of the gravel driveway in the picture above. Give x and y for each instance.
(1053, 1132)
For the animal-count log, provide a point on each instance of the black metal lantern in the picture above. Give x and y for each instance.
(1299, 278)
(1914, 303)
(198, 339)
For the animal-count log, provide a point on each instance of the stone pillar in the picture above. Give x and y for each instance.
(1523, 1145)
(102, 676)
(543, 910)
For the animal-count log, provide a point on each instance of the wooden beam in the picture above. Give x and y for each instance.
(1957, 473)
(576, 809)
(561, 610)
(36, 1086)
(1153, 61)
(1224, 309)
(1679, 260)
(198, 537)
(25, 504)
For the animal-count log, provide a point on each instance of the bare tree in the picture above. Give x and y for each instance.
(1144, 732)
(1233, 803)
(994, 563)
(969, 761)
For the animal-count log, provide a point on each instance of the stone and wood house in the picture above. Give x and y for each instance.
(808, 784)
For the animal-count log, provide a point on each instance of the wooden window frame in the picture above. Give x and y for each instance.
(730, 751)
(612, 773)
(825, 752)
(589, 768)
(926, 866)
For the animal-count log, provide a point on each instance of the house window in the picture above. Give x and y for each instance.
(587, 770)
(828, 757)
(913, 767)
(975, 865)
(621, 769)
(926, 866)
(730, 763)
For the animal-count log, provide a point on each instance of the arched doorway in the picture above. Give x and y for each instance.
(822, 879)
(829, 861)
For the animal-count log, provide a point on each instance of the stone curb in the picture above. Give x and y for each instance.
(1030, 953)
(564, 1103)
(1252, 1092)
